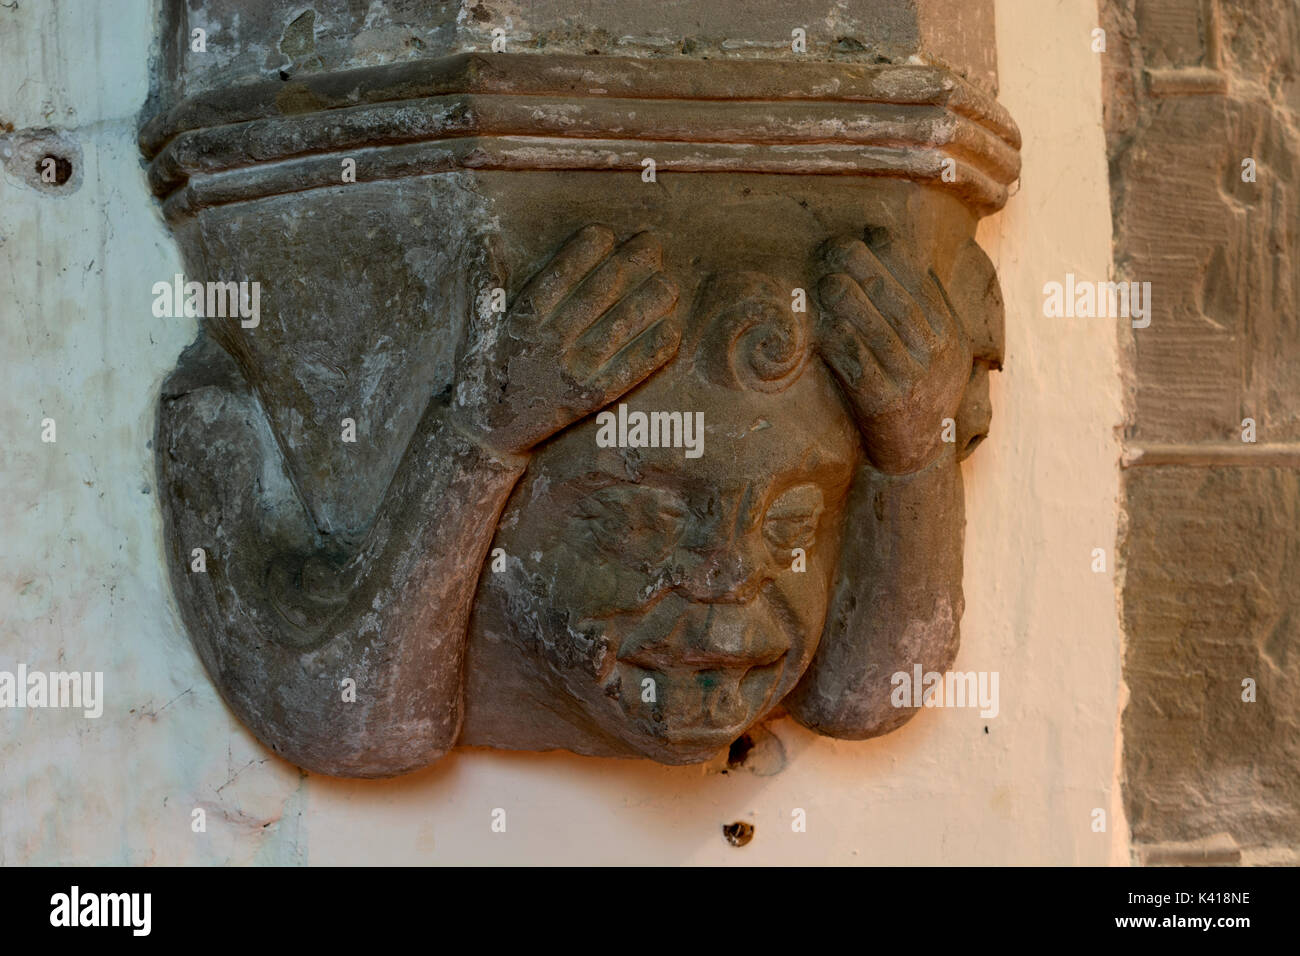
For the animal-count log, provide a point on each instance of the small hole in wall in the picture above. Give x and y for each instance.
(738, 834)
(284, 74)
(62, 168)
(986, 730)
(740, 748)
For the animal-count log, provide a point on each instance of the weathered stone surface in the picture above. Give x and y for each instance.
(1210, 590)
(285, 40)
(1222, 255)
(798, 283)
(1210, 599)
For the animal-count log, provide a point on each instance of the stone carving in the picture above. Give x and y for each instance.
(701, 468)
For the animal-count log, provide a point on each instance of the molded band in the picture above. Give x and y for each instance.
(548, 112)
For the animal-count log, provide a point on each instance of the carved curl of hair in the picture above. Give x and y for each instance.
(750, 336)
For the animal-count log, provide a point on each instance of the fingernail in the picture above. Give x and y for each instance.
(832, 289)
(668, 286)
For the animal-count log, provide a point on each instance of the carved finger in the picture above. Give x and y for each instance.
(561, 275)
(854, 365)
(845, 301)
(631, 316)
(630, 265)
(905, 315)
(649, 351)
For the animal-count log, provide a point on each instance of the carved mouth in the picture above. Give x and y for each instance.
(693, 676)
(703, 708)
(663, 658)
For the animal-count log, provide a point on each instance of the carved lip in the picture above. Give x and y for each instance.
(755, 648)
(668, 659)
(723, 639)
(740, 696)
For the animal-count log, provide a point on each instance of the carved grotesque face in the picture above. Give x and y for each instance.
(669, 601)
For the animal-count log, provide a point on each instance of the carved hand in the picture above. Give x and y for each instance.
(902, 359)
(589, 326)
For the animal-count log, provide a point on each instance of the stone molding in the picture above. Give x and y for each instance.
(563, 112)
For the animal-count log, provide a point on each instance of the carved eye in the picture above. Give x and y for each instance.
(791, 520)
(636, 524)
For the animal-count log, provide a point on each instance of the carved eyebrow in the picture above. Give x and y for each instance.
(661, 494)
(579, 490)
(793, 509)
(792, 498)
(595, 480)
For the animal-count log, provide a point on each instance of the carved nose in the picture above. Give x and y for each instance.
(731, 576)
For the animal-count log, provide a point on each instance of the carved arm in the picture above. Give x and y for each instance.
(350, 664)
(903, 362)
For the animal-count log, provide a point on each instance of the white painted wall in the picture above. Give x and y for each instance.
(82, 583)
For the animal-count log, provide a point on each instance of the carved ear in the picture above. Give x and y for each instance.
(976, 297)
(975, 414)
(973, 290)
